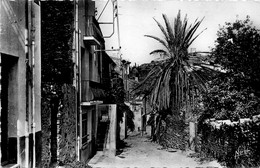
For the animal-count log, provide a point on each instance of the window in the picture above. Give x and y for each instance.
(90, 65)
(94, 123)
(90, 124)
(87, 124)
(85, 127)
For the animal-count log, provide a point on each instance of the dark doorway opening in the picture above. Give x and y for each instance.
(8, 83)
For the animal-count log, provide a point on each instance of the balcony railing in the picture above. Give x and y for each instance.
(93, 34)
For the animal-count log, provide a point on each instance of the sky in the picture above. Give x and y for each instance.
(136, 19)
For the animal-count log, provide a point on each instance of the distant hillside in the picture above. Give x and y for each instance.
(140, 71)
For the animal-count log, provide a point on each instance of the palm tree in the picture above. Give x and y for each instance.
(173, 80)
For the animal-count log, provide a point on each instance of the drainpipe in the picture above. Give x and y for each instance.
(33, 80)
(18, 142)
(77, 61)
(26, 144)
(33, 104)
(80, 93)
(28, 61)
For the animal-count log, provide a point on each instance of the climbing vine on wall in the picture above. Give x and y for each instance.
(58, 94)
(57, 39)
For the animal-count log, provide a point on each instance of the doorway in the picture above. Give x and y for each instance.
(8, 92)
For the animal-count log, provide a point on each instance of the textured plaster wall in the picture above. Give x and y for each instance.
(13, 44)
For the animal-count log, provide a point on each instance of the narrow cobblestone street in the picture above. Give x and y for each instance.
(142, 153)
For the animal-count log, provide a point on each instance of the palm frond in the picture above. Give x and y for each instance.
(191, 41)
(168, 28)
(158, 39)
(159, 51)
(162, 29)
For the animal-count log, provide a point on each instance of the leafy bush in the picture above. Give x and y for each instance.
(237, 51)
(116, 95)
(223, 101)
(235, 145)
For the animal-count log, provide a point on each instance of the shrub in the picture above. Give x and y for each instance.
(235, 145)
